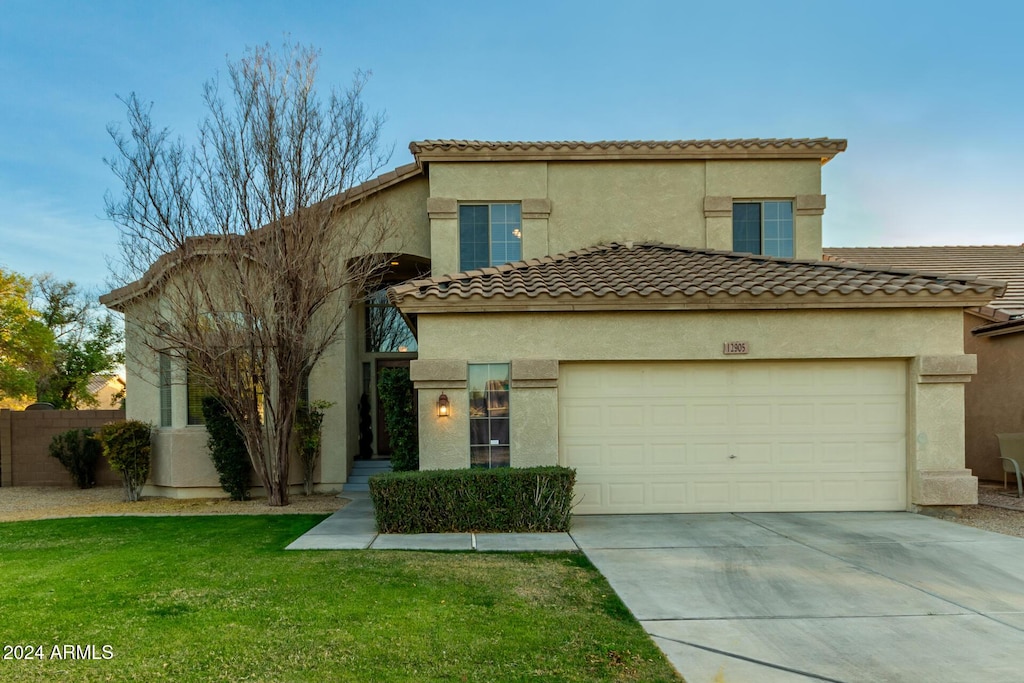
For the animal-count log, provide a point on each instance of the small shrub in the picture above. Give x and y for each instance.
(227, 449)
(396, 396)
(503, 500)
(127, 446)
(78, 451)
(308, 420)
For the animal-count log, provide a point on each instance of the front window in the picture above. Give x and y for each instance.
(197, 389)
(386, 330)
(489, 235)
(488, 415)
(763, 228)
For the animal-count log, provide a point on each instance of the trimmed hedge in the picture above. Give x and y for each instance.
(498, 500)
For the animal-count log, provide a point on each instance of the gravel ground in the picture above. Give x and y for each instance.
(998, 512)
(31, 502)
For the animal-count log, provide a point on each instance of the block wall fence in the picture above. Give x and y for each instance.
(25, 442)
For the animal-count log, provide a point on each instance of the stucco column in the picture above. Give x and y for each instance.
(534, 413)
(444, 441)
(936, 395)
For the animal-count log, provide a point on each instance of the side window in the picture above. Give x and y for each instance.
(489, 235)
(197, 390)
(763, 228)
(165, 390)
(489, 415)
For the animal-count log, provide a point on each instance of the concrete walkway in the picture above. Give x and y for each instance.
(353, 528)
(818, 597)
(780, 598)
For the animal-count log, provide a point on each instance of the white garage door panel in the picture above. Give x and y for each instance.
(738, 436)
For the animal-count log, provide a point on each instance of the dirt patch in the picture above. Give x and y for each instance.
(21, 503)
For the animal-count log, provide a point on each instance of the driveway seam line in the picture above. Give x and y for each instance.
(749, 659)
(811, 616)
(875, 572)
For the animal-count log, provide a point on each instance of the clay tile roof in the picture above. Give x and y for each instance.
(1004, 263)
(745, 148)
(661, 275)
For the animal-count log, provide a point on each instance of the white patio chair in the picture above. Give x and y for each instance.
(1011, 452)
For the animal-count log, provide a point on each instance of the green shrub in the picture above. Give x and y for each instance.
(502, 499)
(127, 446)
(308, 420)
(227, 449)
(78, 451)
(394, 388)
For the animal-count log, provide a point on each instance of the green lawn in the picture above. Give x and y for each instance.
(216, 598)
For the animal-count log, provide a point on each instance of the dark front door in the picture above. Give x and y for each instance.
(383, 438)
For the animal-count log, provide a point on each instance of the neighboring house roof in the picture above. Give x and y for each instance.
(99, 382)
(745, 148)
(1004, 263)
(660, 276)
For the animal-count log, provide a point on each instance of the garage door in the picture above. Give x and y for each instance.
(734, 436)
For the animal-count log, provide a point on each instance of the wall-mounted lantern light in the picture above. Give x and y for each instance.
(443, 408)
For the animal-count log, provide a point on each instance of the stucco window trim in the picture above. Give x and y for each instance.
(944, 369)
(442, 208)
(809, 205)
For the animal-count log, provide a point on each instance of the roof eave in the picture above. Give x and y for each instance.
(820, 149)
(724, 302)
(117, 299)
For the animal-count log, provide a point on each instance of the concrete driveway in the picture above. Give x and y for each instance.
(732, 598)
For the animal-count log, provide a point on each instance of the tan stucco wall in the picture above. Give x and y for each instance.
(404, 207)
(930, 339)
(995, 397)
(691, 335)
(594, 202)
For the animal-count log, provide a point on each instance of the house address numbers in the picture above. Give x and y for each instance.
(731, 348)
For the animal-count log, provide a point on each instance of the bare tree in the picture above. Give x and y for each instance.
(259, 245)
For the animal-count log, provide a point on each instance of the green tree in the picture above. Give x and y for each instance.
(53, 340)
(26, 343)
(86, 342)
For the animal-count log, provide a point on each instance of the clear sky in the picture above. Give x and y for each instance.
(930, 95)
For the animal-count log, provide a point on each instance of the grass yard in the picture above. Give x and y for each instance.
(216, 598)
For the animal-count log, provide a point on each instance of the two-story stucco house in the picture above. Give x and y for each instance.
(655, 315)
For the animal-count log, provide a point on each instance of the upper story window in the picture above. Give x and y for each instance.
(489, 235)
(763, 228)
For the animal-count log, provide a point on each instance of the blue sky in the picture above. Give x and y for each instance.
(930, 95)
